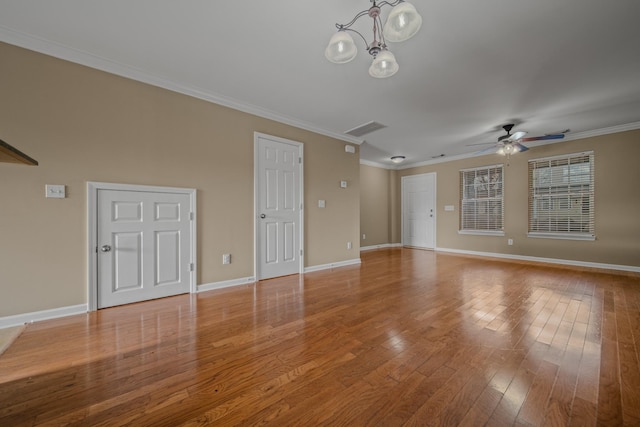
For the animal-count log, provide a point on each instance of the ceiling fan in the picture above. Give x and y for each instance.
(511, 142)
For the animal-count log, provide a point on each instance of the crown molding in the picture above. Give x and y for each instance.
(569, 137)
(87, 59)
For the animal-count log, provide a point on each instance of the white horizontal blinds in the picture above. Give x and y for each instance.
(561, 195)
(481, 196)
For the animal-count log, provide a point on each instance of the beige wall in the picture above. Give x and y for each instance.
(617, 203)
(86, 125)
(375, 205)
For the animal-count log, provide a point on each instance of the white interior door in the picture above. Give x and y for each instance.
(143, 245)
(278, 207)
(419, 210)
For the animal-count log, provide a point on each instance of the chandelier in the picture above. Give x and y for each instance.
(402, 23)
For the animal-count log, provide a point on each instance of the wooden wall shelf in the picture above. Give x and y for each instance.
(9, 154)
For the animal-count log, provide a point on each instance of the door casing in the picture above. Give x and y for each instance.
(92, 232)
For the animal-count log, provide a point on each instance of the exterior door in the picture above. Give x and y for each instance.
(143, 245)
(419, 210)
(278, 207)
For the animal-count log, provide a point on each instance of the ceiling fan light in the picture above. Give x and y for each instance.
(341, 48)
(383, 65)
(403, 22)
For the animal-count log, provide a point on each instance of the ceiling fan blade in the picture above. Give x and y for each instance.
(487, 150)
(543, 138)
(519, 147)
(481, 143)
(518, 135)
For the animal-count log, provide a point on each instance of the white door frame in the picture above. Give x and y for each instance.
(92, 232)
(256, 202)
(435, 216)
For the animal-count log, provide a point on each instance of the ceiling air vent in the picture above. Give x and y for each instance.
(365, 129)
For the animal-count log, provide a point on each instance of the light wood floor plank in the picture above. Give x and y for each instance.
(409, 337)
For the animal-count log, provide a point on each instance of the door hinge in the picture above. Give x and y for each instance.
(191, 267)
(191, 216)
(301, 252)
(300, 160)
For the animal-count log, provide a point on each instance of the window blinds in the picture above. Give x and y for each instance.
(561, 196)
(481, 194)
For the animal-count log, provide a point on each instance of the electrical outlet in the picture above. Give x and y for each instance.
(364, 236)
(348, 245)
(226, 258)
(510, 242)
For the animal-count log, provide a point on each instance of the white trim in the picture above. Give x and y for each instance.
(225, 284)
(77, 56)
(376, 164)
(382, 246)
(92, 231)
(301, 231)
(482, 232)
(355, 261)
(36, 316)
(631, 268)
(562, 236)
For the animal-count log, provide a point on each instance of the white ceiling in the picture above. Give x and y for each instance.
(546, 65)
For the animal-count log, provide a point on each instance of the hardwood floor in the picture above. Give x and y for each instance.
(410, 337)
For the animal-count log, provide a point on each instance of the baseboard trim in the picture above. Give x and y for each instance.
(383, 246)
(36, 316)
(225, 284)
(594, 265)
(355, 261)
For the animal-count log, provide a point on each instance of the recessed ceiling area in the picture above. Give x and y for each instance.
(544, 65)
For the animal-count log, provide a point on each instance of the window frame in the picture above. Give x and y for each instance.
(570, 194)
(485, 196)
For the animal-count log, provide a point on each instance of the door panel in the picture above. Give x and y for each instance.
(144, 245)
(127, 262)
(278, 208)
(418, 211)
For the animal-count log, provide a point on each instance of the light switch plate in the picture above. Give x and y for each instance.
(55, 191)
(321, 203)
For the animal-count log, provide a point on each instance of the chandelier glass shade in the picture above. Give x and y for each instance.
(341, 48)
(402, 24)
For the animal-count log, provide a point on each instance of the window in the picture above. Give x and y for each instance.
(561, 196)
(481, 197)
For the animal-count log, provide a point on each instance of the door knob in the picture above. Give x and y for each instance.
(263, 216)
(105, 248)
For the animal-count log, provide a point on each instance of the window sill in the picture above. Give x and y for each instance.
(482, 232)
(562, 236)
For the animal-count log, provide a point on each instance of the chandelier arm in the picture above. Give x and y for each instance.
(392, 4)
(357, 32)
(353, 21)
(382, 41)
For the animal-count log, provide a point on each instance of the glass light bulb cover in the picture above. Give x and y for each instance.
(383, 65)
(341, 48)
(403, 22)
